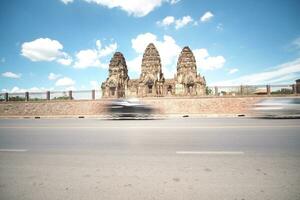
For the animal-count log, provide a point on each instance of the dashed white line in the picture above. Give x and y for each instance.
(149, 127)
(13, 150)
(212, 152)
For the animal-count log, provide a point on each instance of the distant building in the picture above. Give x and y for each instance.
(152, 83)
(261, 91)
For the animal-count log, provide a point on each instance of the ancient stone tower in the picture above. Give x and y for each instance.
(188, 82)
(116, 83)
(151, 78)
(152, 82)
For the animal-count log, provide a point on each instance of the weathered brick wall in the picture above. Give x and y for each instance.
(208, 105)
(204, 105)
(48, 108)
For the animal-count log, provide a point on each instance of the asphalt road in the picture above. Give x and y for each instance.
(232, 158)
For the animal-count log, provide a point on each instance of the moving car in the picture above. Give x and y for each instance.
(129, 108)
(278, 107)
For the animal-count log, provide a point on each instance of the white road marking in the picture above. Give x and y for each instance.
(13, 150)
(212, 152)
(148, 127)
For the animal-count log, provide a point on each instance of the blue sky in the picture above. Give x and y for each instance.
(67, 44)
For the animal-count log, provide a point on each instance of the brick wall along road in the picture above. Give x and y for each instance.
(203, 105)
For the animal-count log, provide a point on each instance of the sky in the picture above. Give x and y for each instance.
(67, 44)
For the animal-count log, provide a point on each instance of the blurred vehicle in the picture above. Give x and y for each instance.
(129, 108)
(277, 107)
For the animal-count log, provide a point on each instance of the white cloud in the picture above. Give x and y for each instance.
(178, 23)
(87, 58)
(45, 49)
(169, 52)
(283, 74)
(108, 50)
(296, 43)
(98, 44)
(65, 81)
(65, 59)
(169, 71)
(140, 43)
(167, 21)
(207, 62)
(95, 85)
(73, 88)
(207, 16)
(137, 8)
(11, 75)
(212, 62)
(183, 21)
(66, 1)
(92, 57)
(201, 53)
(232, 71)
(42, 49)
(220, 27)
(16, 89)
(172, 2)
(134, 65)
(53, 76)
(167, 48)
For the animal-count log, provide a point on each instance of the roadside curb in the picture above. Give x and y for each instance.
(168, 116)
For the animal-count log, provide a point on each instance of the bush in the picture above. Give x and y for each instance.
(283, 91)
(16, 98)
(208, 91)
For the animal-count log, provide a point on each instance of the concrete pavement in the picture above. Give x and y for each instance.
(230, 158)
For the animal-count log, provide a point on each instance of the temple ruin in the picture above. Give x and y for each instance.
(151, 82)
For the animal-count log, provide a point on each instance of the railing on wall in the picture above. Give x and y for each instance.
(52, 95)
(242, 90)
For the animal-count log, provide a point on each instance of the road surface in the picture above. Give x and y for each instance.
(208, 158)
